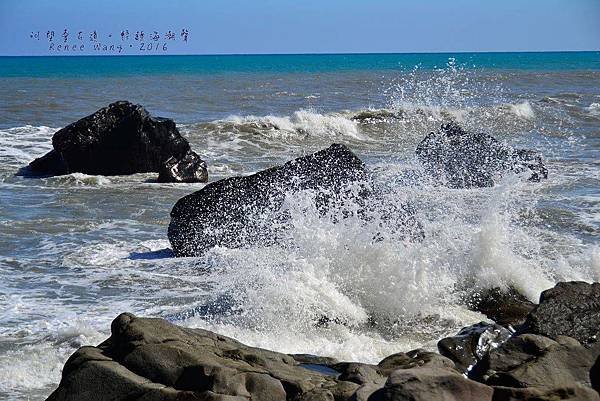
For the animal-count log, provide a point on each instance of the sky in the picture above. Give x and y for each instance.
(296, 26)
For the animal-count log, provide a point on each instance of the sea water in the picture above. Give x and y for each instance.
(77, 250)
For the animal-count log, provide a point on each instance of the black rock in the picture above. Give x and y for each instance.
(242, 211)
(506, 307)
(472, 343)
(52, 163)
(122, 138)
(190, 168)
(569, 309)
(595, 375)
(462, 160)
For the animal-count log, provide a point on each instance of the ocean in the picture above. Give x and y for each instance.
(77, 250)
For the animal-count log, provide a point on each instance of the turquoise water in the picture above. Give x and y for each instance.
(102, 66)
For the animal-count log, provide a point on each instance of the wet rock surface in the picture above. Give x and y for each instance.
(190, 168)
(506, 307)
(473, 343)
(538, 362)
(122, 138)
(152, 359)
(461, 159)
(569, 309)
(240, 211)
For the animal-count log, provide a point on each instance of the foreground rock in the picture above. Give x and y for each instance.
(540, 365)
(151, 359)
(241, 211)
(463, 160)
(122, 138)
(569, 309)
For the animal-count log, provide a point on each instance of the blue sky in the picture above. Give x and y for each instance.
(294, 26)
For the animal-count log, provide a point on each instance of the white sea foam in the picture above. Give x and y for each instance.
(80, 179)
(522, 110)
(20, 145)
(594, 109)
(303, 122)
(37, 363)
(276, 295)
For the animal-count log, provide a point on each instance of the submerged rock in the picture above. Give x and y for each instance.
(240, 211)
(122, 138)
(463, 160)
(569, 309)
(472, 343)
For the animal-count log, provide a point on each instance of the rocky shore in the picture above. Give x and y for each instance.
(554, 355)
(525, 351)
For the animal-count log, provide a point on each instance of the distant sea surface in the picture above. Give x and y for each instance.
(77, 250)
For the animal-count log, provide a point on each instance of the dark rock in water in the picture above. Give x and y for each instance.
(533, 361)
(472, 343)
(190, 168)
(569, 309)
(122, 138)
(466, 160)
(368, 116)
(52, 163)
(241, 211)
(505, 307)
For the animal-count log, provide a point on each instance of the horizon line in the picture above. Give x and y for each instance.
(303, 54)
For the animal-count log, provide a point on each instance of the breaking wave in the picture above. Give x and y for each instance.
(80, 249)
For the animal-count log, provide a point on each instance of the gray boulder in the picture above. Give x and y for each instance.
(565, 393)
(151, 359)
(569, 309)
(122, 138)
(418, 358)
(534, 361)
(432, 384)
